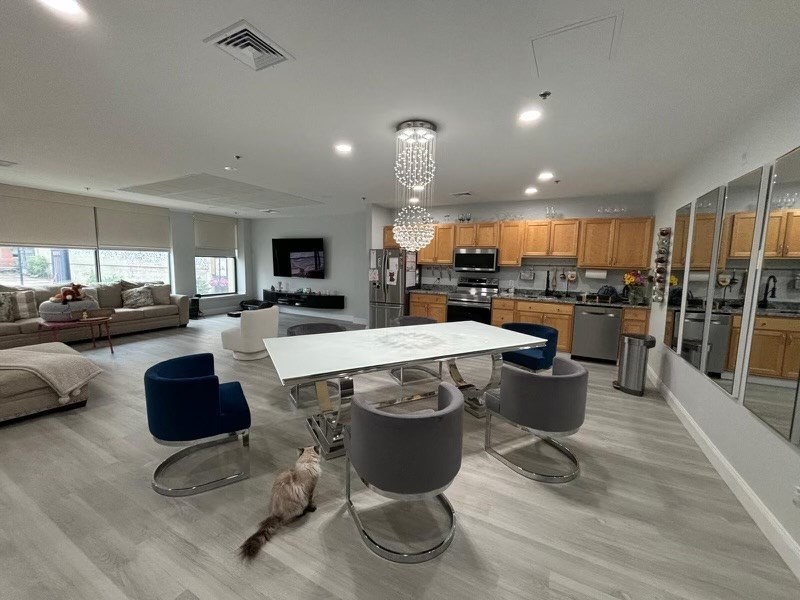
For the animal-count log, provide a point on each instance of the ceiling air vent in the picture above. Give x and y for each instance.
(461, 194)
(247, 44)
(6, 163)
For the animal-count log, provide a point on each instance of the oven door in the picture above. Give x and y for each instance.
(475, 260)
(469, 311)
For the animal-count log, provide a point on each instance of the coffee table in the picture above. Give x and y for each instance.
(340, 356)
(56, 326)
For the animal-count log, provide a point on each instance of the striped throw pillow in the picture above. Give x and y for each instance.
(23, 305)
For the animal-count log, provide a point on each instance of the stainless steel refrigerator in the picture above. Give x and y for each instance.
(391, 274)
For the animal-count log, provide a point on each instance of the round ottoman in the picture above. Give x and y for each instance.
(313, 328)
(56, 311)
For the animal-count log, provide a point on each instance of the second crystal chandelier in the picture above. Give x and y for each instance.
(414, 168)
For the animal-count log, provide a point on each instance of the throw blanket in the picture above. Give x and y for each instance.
(65, 373)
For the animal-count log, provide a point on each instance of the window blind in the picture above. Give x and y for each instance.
(27, 222)
(214, 236)
(127, 229)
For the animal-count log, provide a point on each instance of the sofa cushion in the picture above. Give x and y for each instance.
(122, 315)
(137, 297)
(160, 293)
(159, 311)
(9, 328)
(7, 307)
(24, 305)
(30, 325)
(109, 295)
(45, 292)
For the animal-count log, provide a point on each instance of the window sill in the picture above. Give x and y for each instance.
(225, 295)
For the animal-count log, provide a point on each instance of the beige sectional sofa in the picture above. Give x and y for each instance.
(125, 320)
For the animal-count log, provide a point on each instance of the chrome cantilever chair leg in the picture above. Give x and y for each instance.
(543, 477)
(396, 555)
(242, 472)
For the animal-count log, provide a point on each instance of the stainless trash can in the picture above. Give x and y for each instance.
(633, 363)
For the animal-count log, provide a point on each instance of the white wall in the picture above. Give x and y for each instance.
(766, 462)
(346, 243)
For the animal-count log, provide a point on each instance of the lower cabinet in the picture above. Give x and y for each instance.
(433, 306)
(502, 311)
(774, 350)
(558, 316)
(635, 320)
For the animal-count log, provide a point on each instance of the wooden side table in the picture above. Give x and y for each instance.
(100, 322)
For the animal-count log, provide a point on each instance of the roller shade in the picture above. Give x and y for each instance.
(126, 229)
(25, 222)
(214, 236)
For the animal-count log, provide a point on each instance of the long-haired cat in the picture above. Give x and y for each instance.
(292, 497)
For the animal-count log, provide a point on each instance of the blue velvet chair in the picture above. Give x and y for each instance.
(186, 402)
(535, 359)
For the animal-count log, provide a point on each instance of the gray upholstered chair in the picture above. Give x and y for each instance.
(407, 456)
(546, 405)
(399, 373)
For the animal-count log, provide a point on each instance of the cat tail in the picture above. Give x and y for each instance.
(252, 545)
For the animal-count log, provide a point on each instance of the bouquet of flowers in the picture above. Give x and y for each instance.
(673, 280)
(632, 278)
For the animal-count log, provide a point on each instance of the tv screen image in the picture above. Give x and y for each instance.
(298, 257)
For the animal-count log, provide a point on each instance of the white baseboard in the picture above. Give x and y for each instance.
(776, 533)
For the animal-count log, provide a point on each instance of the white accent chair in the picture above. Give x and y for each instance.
(247, 340)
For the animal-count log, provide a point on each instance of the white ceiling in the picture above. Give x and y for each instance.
(133, 96)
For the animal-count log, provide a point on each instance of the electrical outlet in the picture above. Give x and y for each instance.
(796, 498)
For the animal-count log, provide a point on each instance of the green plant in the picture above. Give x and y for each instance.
(37, 266)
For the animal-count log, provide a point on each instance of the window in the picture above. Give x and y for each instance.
(134, 265)
(215, 275)
(45, 266)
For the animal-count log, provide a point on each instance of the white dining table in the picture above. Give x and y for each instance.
(340, 356)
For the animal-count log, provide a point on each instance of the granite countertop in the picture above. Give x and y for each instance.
(778, 311)
(573, 300)
(439, 289)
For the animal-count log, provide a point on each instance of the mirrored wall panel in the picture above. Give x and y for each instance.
(774, 358)
(680, 245)
(733, 260)
(703, 352)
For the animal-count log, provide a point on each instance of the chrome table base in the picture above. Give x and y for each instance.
(543, 477)
(398, 555)
(243, 471)
(325, 427)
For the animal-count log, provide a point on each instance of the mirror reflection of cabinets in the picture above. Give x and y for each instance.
(735, 311)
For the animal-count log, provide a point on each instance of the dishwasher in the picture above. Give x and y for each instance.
(595, 333)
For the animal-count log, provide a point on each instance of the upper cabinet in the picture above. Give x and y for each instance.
(480, 235)
(616, 243)
(388, 238)
(783, 235)
(551, 238)
(440, 250)
(512, 236)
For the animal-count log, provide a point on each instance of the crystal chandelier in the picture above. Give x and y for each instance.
(414, 168)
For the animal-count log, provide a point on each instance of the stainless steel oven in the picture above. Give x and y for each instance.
(472, 300)
(469, 311)
(475, 260)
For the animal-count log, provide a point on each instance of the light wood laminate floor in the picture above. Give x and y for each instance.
(648, 518)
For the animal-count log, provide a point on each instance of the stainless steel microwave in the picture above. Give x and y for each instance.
(475, 260)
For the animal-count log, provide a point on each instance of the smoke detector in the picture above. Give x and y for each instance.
(248, 45)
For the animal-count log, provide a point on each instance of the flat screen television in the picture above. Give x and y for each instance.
(298, 257)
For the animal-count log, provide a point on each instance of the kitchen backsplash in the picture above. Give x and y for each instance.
(510, 276)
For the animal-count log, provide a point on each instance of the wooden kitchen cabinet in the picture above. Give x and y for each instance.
(635, 320)
(477, 235)
(633, 243)
(388, 238)
(733, 349)
(512, 234)
(502, 311)
(440, 250)
(562, 323)
(680, 243)
(551, 238)
(433, 306)
(791, 237)
(564, 237)
(775, 245)
(766, 353)
(537, 238)
(703, 241)
(597, 243)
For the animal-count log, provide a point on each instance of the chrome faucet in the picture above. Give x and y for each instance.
(764, 303)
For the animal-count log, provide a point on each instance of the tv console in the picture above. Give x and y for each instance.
(303, 300)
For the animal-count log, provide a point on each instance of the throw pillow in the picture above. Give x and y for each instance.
(137, 297)
(109, 295)
(160, 293)
(24, 305)
(6, 307)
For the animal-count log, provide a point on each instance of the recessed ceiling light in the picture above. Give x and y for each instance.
(343, 148)
(413, 200)
(67, 8)
(529, 116)
(546, 176)
(531, 190)
(230, 168)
